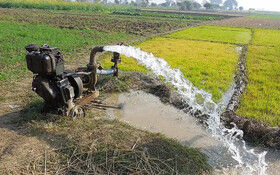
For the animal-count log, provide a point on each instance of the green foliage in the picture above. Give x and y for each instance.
(215, 33)
(56, 5)
(14, 37)
(208, 6)
(231, 4)
(262, 97)
(216, 1)
(165, 15)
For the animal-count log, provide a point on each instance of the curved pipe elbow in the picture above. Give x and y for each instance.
(92, 60)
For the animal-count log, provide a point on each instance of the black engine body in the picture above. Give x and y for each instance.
(58, 87)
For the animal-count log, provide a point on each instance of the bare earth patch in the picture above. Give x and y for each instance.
(248, 22)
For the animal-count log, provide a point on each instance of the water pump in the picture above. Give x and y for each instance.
(64, 91)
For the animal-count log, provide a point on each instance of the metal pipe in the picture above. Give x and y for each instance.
(105, 71)
(92, 66)
(92, 60)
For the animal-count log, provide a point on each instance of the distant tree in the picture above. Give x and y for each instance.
(144, 3)
(216, 1)
(196, 5)
(181, 5)
(117, 2)
(169, 2)
(208, 6)
(133, 3)
(185, 5)
(230, 4)
(153, 4)
(204, 2)
(164, 4)
(189, 5)
(241, 8)
(216, 6)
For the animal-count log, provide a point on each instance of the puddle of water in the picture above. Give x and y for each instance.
(145, 111)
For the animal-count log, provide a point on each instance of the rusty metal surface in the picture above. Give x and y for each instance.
(88, 98)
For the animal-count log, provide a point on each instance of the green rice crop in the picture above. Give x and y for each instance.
(14, 36)
(262, 98)
(207, 65)
(215, 33)
(266, 37)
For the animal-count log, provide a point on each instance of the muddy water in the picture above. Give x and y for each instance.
(146, 111)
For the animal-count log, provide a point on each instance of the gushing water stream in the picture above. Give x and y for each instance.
(250, 161)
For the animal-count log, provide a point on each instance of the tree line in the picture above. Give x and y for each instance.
(181, 4)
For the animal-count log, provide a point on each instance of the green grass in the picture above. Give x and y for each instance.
(266, 37)
(265, 16)
(262, 98)
(207, 65)
(14, 37)
(215, 33)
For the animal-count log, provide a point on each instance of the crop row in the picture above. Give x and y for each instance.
(262, 98)
(165, 15)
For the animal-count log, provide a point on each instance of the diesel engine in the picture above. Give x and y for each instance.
(64, 90)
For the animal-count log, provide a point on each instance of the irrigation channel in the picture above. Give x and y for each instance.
(245, 159)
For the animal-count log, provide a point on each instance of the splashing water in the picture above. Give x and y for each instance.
(247, 159)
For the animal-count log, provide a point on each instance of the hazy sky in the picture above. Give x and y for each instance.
(273, 5)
